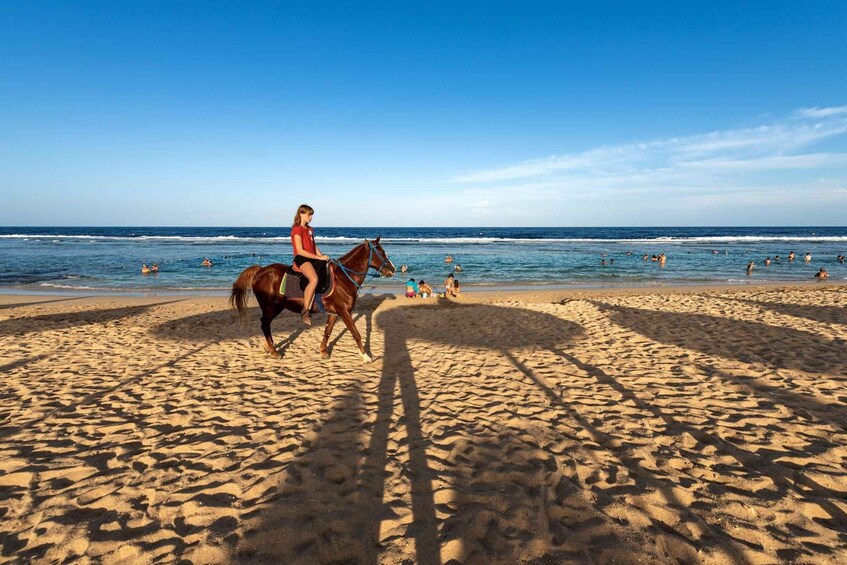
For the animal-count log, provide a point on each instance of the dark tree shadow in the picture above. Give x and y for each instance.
(320, 513)
(460, 326)
(39, 302)
(778, 347)
(785, 478)
(6, 431)
(823, 314)
(21, 363)
(708, 334)
(67, 320)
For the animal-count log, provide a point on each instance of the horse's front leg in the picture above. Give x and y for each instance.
(330, 323)
(351, 325)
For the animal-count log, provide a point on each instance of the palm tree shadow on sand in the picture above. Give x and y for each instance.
(342, 499)
(359, 532)
(823, 314)
(505, 491)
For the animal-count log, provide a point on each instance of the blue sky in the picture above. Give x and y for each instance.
(433, 114)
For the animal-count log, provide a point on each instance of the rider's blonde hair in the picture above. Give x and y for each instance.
(303, 208)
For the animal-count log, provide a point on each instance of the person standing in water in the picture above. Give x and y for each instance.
(307, 256)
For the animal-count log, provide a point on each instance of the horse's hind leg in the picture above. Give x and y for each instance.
(269, 312)
(330, 323)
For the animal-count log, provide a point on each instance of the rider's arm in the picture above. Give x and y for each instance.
(298, 246)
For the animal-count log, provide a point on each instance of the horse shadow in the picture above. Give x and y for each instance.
(225, 325)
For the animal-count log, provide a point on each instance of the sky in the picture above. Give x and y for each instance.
(423, 114)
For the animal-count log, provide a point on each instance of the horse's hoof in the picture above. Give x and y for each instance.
(367, 358)
(324, 355)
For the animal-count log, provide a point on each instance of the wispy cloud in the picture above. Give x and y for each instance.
(821, 112)
(774, 146)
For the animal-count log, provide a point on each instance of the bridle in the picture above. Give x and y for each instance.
(372, 250)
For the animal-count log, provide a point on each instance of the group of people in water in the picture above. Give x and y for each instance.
(821, 274)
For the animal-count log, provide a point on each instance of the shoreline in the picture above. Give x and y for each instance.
(469, 289)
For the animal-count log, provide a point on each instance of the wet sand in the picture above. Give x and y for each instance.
(685, 425)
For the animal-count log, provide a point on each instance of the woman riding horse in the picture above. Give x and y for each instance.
(349, 273)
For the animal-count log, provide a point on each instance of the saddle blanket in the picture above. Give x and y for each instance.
(294, 283)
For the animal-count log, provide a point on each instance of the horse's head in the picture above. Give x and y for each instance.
(379, 259)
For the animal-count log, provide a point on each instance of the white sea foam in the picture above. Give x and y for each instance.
(435, 240)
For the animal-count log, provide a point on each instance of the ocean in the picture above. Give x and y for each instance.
(108, 259)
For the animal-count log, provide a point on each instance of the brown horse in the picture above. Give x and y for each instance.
(349, 272)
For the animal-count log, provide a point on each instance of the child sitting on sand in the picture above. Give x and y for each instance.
(822, 274)
(425, 289)
(411, 288)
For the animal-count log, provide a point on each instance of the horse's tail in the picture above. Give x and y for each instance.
(241, 289)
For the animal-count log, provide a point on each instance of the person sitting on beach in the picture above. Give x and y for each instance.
(425, 289)
(207, 262)
(154, 268)
(808, 257)
(750, 266)
(448, 285)
(145, 270)
(822, 274)
(791, 256)
(412, 288)
(456, 289)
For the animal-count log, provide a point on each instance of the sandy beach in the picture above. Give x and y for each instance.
(698, 425)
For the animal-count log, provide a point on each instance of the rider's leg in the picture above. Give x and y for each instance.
(308, 271)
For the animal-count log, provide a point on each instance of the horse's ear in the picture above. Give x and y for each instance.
(377, 239)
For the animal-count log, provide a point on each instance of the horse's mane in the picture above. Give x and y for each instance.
(349, 254)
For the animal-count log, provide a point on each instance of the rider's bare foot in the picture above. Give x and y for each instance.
(306, 317)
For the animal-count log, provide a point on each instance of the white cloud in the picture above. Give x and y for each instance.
(821, 112)
(772, 146)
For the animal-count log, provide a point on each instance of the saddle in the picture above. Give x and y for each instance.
(294, 283)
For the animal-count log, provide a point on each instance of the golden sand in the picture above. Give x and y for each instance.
(690, 426)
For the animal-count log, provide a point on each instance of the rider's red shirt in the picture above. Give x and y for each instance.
(307, 237)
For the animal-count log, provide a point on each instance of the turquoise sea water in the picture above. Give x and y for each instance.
(108, 259)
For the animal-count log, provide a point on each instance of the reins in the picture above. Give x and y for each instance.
(347, 270)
